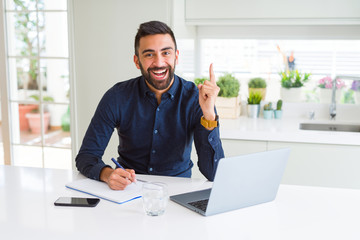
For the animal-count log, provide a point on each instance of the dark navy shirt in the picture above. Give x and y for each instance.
(153, 139)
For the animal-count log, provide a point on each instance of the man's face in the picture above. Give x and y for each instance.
(157, 59)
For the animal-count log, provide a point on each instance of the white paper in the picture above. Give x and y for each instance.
(102, 190)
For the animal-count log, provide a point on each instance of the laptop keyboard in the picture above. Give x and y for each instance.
(201, 204)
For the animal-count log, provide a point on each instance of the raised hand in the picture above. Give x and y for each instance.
(208, 92)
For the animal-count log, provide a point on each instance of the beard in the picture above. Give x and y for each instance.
(158, 84)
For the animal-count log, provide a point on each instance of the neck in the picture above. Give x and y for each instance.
(158, 93)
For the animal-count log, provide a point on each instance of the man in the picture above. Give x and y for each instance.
(157, 117)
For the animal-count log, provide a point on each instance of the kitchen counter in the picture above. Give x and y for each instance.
(284, 130)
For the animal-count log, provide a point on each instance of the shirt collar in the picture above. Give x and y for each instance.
(145, 90)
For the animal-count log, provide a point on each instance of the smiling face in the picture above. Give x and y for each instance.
(156, 59)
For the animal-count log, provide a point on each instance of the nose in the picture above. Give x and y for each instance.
(158, 61)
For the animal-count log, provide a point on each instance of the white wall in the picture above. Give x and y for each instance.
(104, 33)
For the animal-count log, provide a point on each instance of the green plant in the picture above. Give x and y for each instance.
(348, 97)
(257, 83)
(198, 81)
(36, 97)
(65, 121)
(254, 98)
(279, 104)
(268, 107)
(229, 86)
(293, 79)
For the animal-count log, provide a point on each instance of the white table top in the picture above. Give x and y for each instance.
(27, 212)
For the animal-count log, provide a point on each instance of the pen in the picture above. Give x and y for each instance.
(118, 165)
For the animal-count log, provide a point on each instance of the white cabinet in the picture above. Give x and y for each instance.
(324, 165)
(278, 12)
(241, 147)
(231, 148)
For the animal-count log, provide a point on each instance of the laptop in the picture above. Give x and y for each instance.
(239, 182)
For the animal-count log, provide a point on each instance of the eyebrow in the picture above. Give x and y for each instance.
(152, 50)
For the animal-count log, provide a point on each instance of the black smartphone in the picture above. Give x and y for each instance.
(76, 202)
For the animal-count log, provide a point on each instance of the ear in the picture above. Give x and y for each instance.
(136, 61)
(177, 57)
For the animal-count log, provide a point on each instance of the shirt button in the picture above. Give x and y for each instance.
(155, 131)
(210, 139)
(158, 109)
(150, 169)
(153, 151)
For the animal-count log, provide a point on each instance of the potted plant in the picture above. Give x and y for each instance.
(268, 111)
(258, 84)
(325, 85)
(23, 110)
(278, 111)
(291, 83)
(228, 101)
(253, 107)
(34, 117)
(355, 86)
(197, 81)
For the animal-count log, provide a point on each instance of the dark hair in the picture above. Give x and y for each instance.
(152, 28)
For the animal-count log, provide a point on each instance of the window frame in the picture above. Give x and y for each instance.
(5, 83)
(261, 32)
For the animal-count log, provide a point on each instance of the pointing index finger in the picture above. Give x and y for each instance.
(212, 75)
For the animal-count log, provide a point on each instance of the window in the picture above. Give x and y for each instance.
(248, 58)
(38, 67)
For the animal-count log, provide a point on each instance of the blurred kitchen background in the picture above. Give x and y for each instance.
(58, 57)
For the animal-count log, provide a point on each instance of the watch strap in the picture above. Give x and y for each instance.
(209, 123)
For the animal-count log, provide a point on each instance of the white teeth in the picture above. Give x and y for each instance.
(159, 72)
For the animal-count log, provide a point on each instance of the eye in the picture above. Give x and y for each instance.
(166, 53)
(148, 55)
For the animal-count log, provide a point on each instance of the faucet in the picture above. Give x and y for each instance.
(332, 109)
(333, 101)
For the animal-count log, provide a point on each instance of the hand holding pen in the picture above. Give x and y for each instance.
(131, 171)
(119, 178)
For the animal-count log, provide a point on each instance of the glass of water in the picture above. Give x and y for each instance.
(155, 198)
